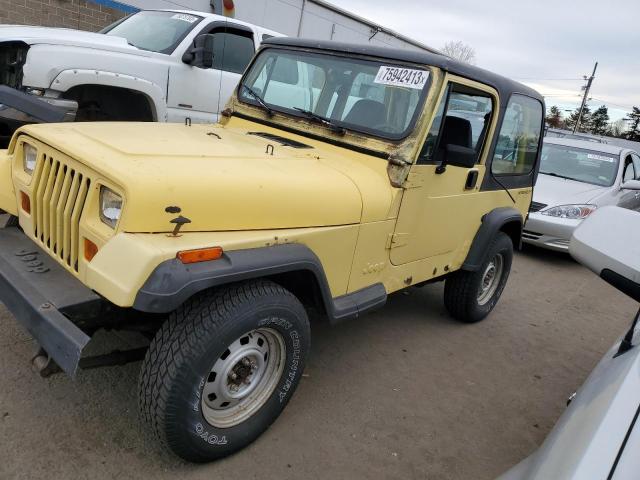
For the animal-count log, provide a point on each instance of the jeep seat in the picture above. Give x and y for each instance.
(457, 131)
(366, 112)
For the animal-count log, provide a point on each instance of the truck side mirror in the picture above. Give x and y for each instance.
(457, 156)
(201, 54)
(630, 185)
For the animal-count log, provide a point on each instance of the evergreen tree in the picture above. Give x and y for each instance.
(585, 122)
(600, 121)
(554, 118)
(634, 126)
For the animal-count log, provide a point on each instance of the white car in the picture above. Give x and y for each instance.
(598, 436)
(149, 66)
(576, 177)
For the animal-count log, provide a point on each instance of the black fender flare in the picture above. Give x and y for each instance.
(492, 223)
(172, 282)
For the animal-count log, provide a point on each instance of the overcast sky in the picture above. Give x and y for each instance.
(547, 44)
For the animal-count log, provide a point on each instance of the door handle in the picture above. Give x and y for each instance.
(472, 179)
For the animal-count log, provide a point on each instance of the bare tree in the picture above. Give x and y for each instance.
(460, 51)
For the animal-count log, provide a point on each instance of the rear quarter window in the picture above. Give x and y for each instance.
(519, 138)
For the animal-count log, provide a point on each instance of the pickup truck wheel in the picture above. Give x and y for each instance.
(470, 296)
(222, 368)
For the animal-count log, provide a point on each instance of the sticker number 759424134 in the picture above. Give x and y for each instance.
(402, 77)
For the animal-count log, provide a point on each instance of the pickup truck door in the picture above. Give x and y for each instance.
(441, 212)
(199, 93)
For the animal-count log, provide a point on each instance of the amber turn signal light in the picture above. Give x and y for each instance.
(200, 255)
(90, 249)
(25, 201)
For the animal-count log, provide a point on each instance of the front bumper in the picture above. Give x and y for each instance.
(548, 232)
(18, 109)
(42, 296)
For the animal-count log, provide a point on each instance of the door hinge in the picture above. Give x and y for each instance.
(397, 240)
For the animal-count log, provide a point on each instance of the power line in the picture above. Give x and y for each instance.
(606, 102)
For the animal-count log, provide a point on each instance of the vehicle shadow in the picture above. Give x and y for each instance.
(545, 255)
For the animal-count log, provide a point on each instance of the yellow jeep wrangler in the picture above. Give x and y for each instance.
(338, 175)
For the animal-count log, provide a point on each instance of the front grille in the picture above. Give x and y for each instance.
(536, 206)
(59, 194)
(13, 56)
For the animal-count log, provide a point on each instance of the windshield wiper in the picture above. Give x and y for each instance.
(322, 120)
(559, 176)
(568, 178)
(259, 99)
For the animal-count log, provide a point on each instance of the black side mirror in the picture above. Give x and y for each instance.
(457, 156)
(201, 54)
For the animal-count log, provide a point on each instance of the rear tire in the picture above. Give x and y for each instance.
(222, 368)
(470, 296)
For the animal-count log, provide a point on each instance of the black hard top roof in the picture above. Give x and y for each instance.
(503, 85)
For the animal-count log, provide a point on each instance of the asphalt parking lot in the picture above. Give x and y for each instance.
(402, 393)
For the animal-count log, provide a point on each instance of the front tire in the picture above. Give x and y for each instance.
(470, 296)
(222, 368)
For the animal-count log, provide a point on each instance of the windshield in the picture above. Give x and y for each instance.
(588, 166)
(375, 97)
(154, 31)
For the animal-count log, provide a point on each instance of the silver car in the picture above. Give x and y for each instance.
(576, 177)
(598, 435)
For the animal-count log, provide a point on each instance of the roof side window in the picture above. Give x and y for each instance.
(232, 50)
(519, 138)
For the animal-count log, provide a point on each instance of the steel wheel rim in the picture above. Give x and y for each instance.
(243, 378)
(490, 279)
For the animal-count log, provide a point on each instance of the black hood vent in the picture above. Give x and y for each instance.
(287, 142)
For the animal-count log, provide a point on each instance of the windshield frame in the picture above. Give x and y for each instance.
(615, 156)
(350, 128)
(167, 51)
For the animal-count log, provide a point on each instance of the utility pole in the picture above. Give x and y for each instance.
(586, 95)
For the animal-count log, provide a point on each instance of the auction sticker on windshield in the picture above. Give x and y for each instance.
(602, 158)
(402, 77)
(184, 17)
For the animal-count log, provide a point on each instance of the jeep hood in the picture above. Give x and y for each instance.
(224, 178)
(64, 36)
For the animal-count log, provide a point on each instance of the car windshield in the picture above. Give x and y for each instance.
(376, 97)
(154, 31)
(582, 165)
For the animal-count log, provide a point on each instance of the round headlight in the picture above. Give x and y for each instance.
(29, 158)
(110, 206)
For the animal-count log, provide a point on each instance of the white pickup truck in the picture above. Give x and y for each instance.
(154, 65)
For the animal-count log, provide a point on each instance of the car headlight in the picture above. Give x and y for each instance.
(110, 206)
(38, 92)
(29, 158)
(573, 212)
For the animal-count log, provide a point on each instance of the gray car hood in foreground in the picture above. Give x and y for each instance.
(559, 191)
(586, 440)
